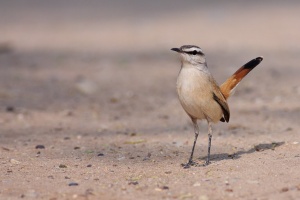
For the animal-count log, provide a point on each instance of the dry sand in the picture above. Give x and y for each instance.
(88, 108)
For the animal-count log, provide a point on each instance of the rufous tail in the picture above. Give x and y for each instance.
(229, 85)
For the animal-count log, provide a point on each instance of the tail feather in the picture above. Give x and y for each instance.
(229, 85)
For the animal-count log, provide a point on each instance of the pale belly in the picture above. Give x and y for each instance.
(196, 95)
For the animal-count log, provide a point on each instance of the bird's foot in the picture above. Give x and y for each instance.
(207, 163)
(189, 164)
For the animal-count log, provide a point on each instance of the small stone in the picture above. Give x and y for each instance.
(285, 189)
(147, 157)
(229, 190)
(121, 158)
(10, 109)
(6, 48)
(133, 134)
(73, 184)
(164, 187)
(14, 161)
(40, 146)
(5, 149)
(197, 184)
(295, 143)
(133, 183)
(62, 166)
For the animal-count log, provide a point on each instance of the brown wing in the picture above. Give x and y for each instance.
(222, 102)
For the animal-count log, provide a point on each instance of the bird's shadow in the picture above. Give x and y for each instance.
(238, 154)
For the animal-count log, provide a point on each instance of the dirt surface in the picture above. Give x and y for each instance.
(88, 106)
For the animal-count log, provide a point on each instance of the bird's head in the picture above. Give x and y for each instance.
(191, 54)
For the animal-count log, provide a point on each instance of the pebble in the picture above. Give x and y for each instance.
(121, 158)
(14, 161)
(40, 146)
(62, 166)
(73, 184)
(133, 183)
(285, 189)
(5, 149)
(197, 184)
(165, 188)
(10, 109)
(147, 157)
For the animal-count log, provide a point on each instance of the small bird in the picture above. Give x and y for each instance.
(199, 93)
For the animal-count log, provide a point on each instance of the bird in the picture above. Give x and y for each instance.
(200, 95)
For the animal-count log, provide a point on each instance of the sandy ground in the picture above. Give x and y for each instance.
(88, 106)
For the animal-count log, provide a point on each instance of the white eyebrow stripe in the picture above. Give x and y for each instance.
(192, 49)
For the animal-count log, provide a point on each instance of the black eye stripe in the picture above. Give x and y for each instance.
(194, 52)
(191, 52)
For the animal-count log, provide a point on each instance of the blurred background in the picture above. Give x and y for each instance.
(140, 26)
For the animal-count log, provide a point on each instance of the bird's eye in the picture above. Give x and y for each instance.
(194, 52)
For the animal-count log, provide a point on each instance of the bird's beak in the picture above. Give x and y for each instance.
(176, 49)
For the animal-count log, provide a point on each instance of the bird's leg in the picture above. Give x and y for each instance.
(209, 141)
(196, 130)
